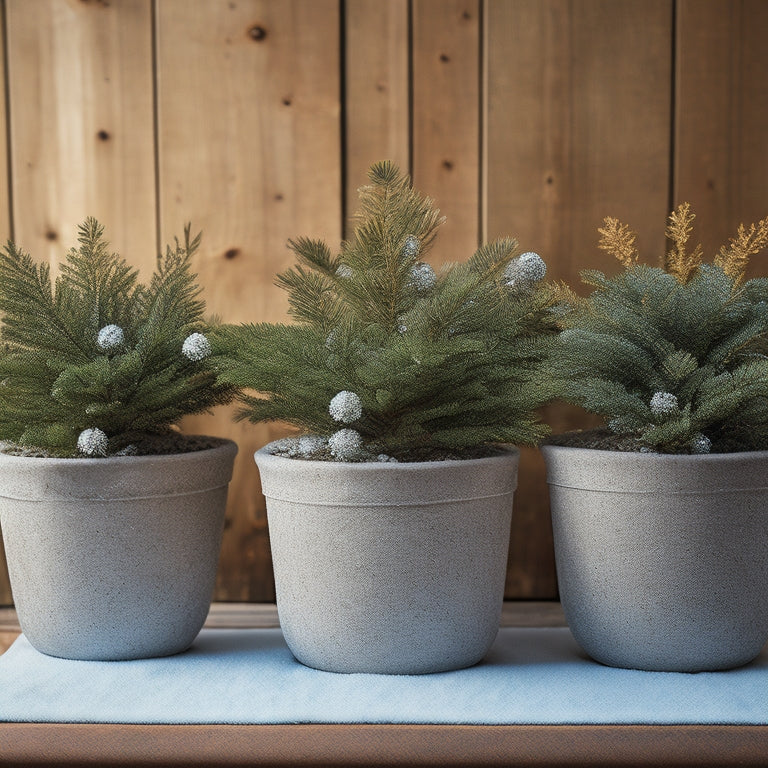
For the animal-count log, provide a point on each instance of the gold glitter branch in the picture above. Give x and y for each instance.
(677, 262)
(618, 240)
(734, 257)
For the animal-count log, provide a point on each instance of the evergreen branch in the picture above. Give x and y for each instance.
(674, 359)
(315, 254)
(32, 316)
(422, 361)
(101, 352)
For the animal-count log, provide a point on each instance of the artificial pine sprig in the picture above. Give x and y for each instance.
(97, 362)
(674, 358)
(390, 359)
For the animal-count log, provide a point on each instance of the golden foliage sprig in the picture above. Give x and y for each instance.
(734, 257)
(618, 240)
(678, 261)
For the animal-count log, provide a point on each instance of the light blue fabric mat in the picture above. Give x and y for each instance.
(531, 676)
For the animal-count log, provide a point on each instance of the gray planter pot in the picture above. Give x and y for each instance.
(389, 568)
(662, 560)
(114, 558)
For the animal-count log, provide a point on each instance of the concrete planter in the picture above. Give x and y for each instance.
(389, 568)
(114, 558)
(662, 560)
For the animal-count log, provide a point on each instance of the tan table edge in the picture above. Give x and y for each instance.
(381, 745)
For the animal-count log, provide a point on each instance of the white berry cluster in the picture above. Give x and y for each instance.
(664, 404)
(344, 272)
(701, 444)
(345, 407)
(286, 446)
(196, 347)
(309, 444)
(411, 247)
(110, 337)
(523, 272)
(423, 277)
(346, 444)
(292, 447)
(92, 442)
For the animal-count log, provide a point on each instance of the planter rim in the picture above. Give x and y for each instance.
(115, 477)
(653, 473)
(384, 484)
(363, 466)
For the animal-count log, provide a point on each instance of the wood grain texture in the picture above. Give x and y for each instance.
(721, 117)
(577, 128)
(249, 150)
(446, 119)
(578, 125)
(27, 744)
(5, 182)
(376, 102)
(81, 119)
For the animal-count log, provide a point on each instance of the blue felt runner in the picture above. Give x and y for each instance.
(531, 676)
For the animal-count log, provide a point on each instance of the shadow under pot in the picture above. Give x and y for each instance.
(390, 568)
(662, 560)
(114, 558)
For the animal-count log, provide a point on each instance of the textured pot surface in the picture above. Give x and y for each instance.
(114, 558)
(389, 568)
(662, 560)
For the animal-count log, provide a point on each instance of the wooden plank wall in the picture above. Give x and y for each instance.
(256, 120)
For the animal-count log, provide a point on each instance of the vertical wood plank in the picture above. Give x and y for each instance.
(446, 119)
(5, 234)
(249, 139)
(721, 117)
(577, 128)
(82, 130)
(377, 90)
(5, 208)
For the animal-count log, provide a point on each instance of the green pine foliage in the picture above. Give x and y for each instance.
(675, 358)
(96, 363)
(387, 358)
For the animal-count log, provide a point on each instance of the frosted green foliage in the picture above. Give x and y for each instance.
(674, 359)
(425, 363)
(97, 362)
